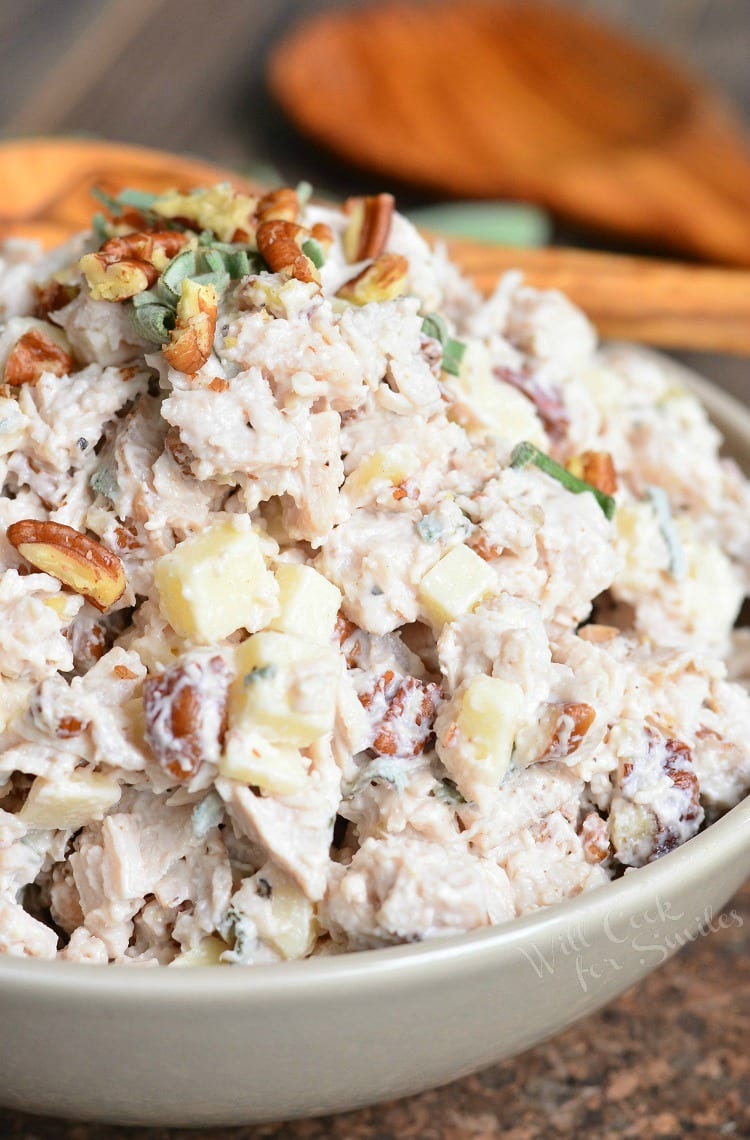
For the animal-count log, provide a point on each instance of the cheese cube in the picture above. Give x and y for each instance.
(216, 582)
(208, 952)
(309, 602)
(293, 930)
(69, 803)
(491, 713)
(455, 585)
(250, 758)
(388, 465)
(285, 687)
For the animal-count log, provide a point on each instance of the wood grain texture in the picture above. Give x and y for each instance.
(526, 100)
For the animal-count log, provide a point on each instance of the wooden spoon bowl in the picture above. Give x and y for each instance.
(45, 193)
(525, 100)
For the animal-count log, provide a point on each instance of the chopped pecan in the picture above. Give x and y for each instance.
(351, 640)
(186, 711)
(594, 838)
(323, 235)
(403, 711)
(279, 243)
(32, 355)
(125, 266)
(678, 764)
(178, 451)
(547, 401)
(192, 338)
(281, 205)
(383, 280)
(596, 468)
(567, 725)
(53, 296)
(481, 545)
(89, 640)
(76, 560)
(367, 232)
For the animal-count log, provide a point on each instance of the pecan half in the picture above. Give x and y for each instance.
(594, 838)
(367, 232)
(32, 355)
(125, 266)
(53, 296)
(281, 205)
(279, 244)
(186, 710)
(192, 338)
(76, 560)
(383, 280)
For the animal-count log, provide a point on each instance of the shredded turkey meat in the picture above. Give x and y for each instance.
(339, 606)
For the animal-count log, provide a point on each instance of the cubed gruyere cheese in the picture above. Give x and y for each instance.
(308, 602)
(208, 952)
(490, 715)
(71, 802)
(455, 585)
(386, 465)
(285, 687)
(293, 929)
(216, 582)
(279, 769)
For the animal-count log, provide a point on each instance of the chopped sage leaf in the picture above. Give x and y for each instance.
(525, 453)
(261, 673)
(207, 814)
(220, 281)
(238, 264)
(660, 503)
(104, 483)
(153, 322)
(180, 267)
(430, 528)
(385, 770)
(447, 792)
(136, 199)
(99, 226)
(212, 260)
(311, 249)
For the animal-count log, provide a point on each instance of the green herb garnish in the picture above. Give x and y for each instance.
(311, 249)
(153, 322)
(430, 528)
(434, 326)
(104, 483)
(660, 502)
(261, 673)
(525, 453)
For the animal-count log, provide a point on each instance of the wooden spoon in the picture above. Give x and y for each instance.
(485, 100)
(45, 193)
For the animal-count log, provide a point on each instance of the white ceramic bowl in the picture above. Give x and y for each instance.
(231, 1046)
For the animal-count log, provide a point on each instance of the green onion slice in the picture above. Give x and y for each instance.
(525, 453)
(453, 350)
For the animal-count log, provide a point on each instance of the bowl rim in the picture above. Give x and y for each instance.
(692, 861)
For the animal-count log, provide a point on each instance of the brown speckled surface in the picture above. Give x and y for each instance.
(670, 1059)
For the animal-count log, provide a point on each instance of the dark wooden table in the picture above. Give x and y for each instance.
(670, 1059)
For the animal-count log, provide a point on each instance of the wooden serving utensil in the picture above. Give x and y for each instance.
(45, 193)
(524, 100)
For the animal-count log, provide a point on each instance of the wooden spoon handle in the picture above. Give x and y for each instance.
(631, 298)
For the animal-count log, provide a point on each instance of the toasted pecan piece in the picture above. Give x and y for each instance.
(32, 355)
(596, 468)
(79, 562)
(186, 711)
(53, 296)
(280, 245)
(382, 280)
(280, 205)
(369, 226)
(192, 339)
